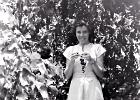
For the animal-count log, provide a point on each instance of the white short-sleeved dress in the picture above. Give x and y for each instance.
(84, 85)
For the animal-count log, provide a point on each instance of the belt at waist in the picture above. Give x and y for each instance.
(76, 75)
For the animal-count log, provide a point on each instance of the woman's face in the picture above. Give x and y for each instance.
(82, 34)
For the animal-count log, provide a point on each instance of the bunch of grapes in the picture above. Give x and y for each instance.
(83, 63)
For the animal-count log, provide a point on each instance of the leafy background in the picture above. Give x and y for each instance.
(45, 26)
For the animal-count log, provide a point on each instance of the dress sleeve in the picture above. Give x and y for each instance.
(99, 50)
(67, 53)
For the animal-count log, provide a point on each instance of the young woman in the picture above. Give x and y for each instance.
(84, 63)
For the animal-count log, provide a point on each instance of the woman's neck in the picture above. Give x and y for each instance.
(83, 45)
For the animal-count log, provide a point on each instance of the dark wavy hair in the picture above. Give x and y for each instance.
(72, 39)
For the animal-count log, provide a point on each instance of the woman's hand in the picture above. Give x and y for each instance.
(74, 56)
(87, 57)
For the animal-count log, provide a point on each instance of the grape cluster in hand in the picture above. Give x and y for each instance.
(83, 63)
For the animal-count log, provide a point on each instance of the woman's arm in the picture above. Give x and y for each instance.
(70, 65)
(69, 68)
(98, 66)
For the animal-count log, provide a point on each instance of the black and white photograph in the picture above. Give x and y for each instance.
(69, 49)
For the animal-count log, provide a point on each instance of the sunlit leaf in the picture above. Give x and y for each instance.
(22, 96)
